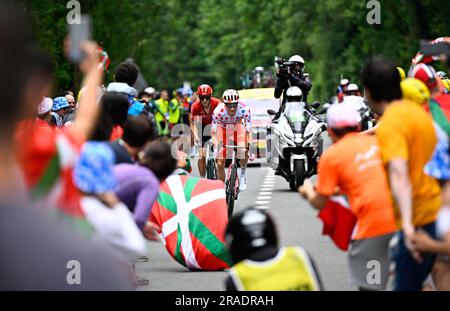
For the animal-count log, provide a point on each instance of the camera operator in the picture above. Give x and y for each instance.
(291, 74)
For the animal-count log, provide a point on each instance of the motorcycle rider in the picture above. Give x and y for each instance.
(294, 96)
(342, 89)
(353, 89)
(295, 76)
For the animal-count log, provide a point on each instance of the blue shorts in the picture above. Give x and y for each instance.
(409, 274)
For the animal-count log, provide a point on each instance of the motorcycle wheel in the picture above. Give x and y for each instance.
(211, 169)
(299, 175)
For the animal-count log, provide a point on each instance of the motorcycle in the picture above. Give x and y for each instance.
(295, 143)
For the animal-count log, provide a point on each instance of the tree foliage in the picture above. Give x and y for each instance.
(215, 41)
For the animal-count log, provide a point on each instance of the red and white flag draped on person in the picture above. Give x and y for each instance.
(192, 215)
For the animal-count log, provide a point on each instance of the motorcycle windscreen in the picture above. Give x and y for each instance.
(295, 112)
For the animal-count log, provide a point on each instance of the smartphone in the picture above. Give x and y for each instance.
(434, 49)
(79, 33)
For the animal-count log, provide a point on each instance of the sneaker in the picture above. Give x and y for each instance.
(242, 183)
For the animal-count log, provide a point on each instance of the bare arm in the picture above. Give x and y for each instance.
(402, 192)
(401, 189)
(424, 243)
(89, 109)
(317, 200)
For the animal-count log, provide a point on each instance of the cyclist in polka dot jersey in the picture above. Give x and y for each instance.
(232, 121)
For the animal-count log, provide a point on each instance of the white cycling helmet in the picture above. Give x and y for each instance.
(230, 96)
(297, 59)
(352, 87)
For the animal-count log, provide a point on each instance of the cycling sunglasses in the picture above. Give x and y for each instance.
(208, 97)
(231, 105)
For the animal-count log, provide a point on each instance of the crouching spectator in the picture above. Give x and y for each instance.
(137, 185)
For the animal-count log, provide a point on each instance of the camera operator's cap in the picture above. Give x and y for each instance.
(340, 116)
(60, 103)
(45, 106)
(424, 73)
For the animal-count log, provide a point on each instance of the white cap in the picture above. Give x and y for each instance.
(45, 106)
(341, 116)
(150, 90)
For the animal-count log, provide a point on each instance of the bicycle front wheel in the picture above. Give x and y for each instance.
(211, 169)
(230, 195)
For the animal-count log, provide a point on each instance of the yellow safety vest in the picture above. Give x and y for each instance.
(174, 111)
(290, 270)
(163, 106)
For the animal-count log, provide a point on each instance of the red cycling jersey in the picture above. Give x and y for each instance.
(197, 110)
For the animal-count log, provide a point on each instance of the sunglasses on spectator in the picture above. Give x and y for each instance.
(205, 97)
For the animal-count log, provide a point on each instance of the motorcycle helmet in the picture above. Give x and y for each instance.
(230, 96)
(352, 87)
(249, 231)
(344, 82)
(415, 90)
(294, 94)
(297, 59)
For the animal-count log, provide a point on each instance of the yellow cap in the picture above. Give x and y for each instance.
(446, 83)
(415, 90)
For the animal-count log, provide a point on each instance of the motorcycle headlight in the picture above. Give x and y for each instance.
(298, 139)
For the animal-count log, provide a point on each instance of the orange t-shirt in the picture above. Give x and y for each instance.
(354, 165)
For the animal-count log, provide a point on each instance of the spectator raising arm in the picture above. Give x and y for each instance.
(89, 109)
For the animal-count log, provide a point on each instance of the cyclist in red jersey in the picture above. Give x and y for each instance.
(201, 118)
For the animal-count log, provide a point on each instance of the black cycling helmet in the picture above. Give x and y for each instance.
(249, 231)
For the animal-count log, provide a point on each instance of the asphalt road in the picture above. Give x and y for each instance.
(297, 224)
